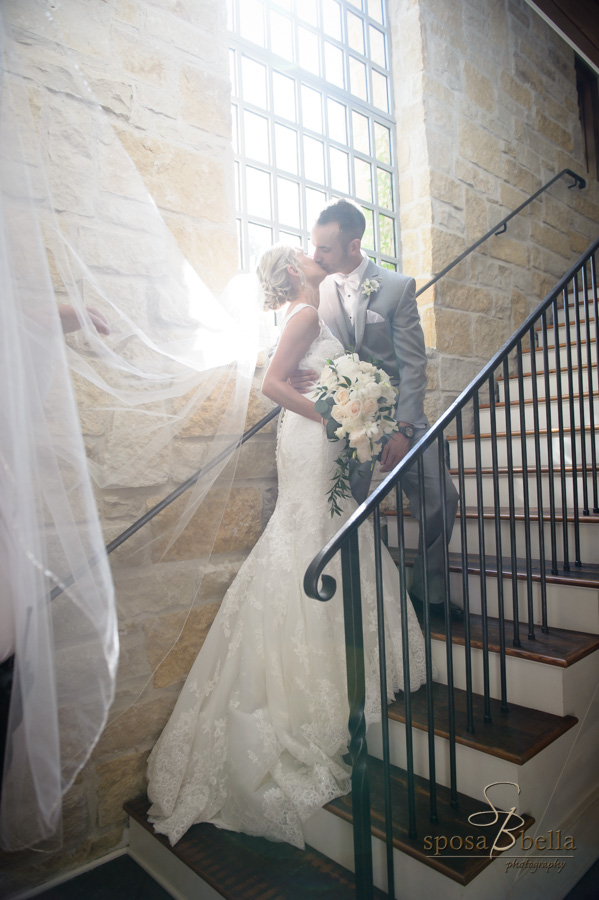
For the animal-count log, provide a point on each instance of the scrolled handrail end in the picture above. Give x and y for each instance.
(325, 592)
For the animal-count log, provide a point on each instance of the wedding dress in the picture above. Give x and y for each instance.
(257, 738)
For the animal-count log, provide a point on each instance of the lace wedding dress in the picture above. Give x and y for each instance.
(257, 738)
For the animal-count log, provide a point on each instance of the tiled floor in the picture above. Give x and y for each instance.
(123, 879)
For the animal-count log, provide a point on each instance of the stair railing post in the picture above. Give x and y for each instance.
(498, 546)
(589, 304)
(560, 437)
(356, 690)
(465, 578)
(540, 515)
(378, 569)
(549, 417)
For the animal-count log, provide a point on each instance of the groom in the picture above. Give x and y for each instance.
(373, 312)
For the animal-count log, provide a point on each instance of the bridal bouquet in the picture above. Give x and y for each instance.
(357, 399)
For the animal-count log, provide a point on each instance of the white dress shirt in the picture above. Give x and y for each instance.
(348, 288)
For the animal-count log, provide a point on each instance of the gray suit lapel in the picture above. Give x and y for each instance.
(333, 313)
(372, 271)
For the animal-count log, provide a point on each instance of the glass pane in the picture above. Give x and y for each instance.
(283, 96)
(308, 51)
(336, 122)
(363, 180)
(281, 35)
(288, 202)
(339, 170)
(357, 77)
(368, 239)
(258, 192)
(233, 70)
(259, 239)
(389, 265)
(256, 137)
(311, 109)
(331, 19)
(253, 82)
(355, 33)
(361, 133)
(385, 188)
(377, 47)
(251, 21)
(237, 186)
(240, 249)
(375, 10)
(230, 21)
(284, 4)
(234, 129)
(379, 91)
(333, 61)
(315, 202)
(387, 235)
(382, 142)
(313, 160)
(308, 11)
(356, 3)
(286, 148)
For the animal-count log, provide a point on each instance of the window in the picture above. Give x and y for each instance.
(312, 120)
(588, 104)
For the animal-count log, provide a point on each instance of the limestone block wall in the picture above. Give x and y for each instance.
(487, 113)
(160, 70)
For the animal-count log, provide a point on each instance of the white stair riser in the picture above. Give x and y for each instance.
(554, 689)
(572, 443)
(502, 482)
(570, 608)
(485, 416)
(588, 533)
(588, 354)
(527, 385)
(476, 769)
(562, 331)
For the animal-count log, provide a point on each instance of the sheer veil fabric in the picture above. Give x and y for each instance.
(93, 239)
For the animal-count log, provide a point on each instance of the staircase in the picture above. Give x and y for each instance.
(534, 737)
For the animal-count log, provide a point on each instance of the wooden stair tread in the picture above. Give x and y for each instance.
(586, 575)
(240, 867)
(540, 372)
(488, 512)
(486, 436)
(452, 822)
(515, 736)
(558, 648)
(528, 401)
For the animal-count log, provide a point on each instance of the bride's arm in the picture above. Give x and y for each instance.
(297, 336)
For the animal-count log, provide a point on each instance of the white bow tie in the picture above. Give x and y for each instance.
(351, 281)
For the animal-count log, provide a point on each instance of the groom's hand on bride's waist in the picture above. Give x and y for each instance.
(303, 380)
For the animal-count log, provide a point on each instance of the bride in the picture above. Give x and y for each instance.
(257, 738)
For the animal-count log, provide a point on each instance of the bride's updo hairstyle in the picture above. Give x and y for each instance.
(274, 277)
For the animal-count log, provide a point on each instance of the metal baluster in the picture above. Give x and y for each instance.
(560, 438)
(430, 706)
(498, 545)
(550, 461)
(354, 643)
(483, 560)
(581, 412)
(525, 496)
(383, 687)
(511, 502)
(590, 375)
(590, 381)
(573, 449)
(448, 643)
(401, 544)
(465, 579)
(537, 445)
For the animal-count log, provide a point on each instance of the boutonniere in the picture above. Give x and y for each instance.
(371, 286)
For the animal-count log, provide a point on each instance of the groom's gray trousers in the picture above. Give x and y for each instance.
(360, 477)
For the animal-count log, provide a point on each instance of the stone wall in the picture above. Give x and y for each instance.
(487, 113)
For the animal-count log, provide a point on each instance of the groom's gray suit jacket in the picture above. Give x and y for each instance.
(387, 332)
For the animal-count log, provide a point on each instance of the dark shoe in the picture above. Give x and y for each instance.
(437, 610)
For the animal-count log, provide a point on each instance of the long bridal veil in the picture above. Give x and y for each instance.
(79, 228)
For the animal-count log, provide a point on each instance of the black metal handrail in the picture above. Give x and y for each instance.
(577, 388)
(501, 227)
